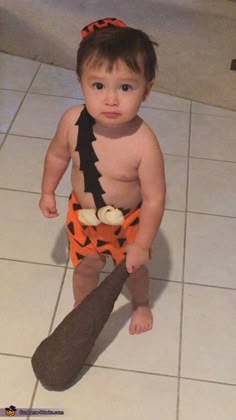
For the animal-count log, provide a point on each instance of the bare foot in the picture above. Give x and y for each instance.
(141, 320)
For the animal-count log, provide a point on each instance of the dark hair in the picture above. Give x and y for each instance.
(113, 43)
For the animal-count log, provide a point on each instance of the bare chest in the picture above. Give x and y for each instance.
(115, 158)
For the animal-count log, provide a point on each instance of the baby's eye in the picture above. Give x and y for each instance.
(98, 85)
(126, 88)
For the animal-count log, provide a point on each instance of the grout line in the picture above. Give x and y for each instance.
(16, 90)
(199, 158)
(143, 372)
(13, 120)
(58, 299)
(208, 381)
(33, 397)
(183, 270)
(211, 159)
(77, 98)
(12, 90)
(158, 108)
(159, 374)
(212, 286)
(203, 114)
(166, 209)
(29, 137)
(34, 262)
(19, 107)
(211, 214)
(4, 136)
(134, 371)
(19, 356)
(31, 192)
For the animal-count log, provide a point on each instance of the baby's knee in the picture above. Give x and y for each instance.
(141, 273)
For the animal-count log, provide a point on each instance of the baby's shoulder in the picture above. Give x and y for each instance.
(72, 114)
(148, 144)
(66, 129)
(145, 132)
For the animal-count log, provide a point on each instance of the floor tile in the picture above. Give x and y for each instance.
(163, 101)
(208, 340)
(167, 250)
(212, 187)
(23, 304)
(28, 155)
(45, 113)
(210, 250)
(2, 136)
(53, 80)
(26, 235)
(171, 129)
(115, 395)
(176, 182)
(199, 108)
(213, 137)
(160, 346)
(17, 382)
(109, 265)
(207, 401)
(9, 104)
(16, 73)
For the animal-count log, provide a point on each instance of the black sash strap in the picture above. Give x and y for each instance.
(88, 157)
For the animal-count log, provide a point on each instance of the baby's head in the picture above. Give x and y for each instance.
(114, 43)
(116, 67)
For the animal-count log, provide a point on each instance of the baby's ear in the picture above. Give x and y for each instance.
(148, 89)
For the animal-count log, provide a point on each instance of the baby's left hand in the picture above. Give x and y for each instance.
(136, 257)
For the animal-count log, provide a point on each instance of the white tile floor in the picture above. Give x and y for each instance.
(185, 367)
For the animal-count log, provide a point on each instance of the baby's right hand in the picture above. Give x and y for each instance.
(47, 205)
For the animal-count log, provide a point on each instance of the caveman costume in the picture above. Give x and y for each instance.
(105, 230)
(58, 360)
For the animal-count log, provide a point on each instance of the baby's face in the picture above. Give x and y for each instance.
(113, 97)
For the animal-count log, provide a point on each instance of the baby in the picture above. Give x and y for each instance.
(118, 181)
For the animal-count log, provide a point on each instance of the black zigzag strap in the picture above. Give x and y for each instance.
(88, 157)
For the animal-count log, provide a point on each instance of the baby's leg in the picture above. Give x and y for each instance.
(86, 276)
(138, 285)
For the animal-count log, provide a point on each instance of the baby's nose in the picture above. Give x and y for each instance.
(112, 98)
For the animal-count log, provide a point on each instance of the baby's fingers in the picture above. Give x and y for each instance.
(49, 213)
(53, 213)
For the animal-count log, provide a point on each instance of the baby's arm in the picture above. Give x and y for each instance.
(55, 164)
(152, 183)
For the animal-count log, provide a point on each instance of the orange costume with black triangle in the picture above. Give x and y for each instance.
(102, 239)
(101, 24)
